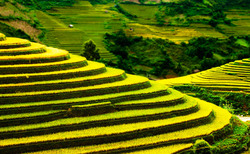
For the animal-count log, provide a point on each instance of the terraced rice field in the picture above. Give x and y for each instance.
(89, 23)
(56, 102)
(92, 22)
(233, 76)
(146, 25)
(241, 20)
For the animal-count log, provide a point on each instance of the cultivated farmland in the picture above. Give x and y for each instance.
(56, 102)
(233, 76)
(88, 21)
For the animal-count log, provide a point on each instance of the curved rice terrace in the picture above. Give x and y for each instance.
(233, 76)
(56, 102)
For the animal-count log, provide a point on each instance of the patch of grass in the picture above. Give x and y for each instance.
(153, 91)
(242, 42)
(145, 14)
(166, 149)
(168, 100)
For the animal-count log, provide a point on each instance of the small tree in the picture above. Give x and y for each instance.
(89, 50)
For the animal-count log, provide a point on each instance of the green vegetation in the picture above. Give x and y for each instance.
(18, 20)
(206, 49)
(234, 102)
(162, 56)
(91, 22)
(10, 31)
(133, 51)
(144, 14)
(94, 21)
(53, 101)
(121, 10)
(186, 12)
(100, 109)
(231, 142)
(202, 146)
(44, 4)
(93, 2)
(89, 51)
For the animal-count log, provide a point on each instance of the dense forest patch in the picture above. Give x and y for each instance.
(160, 57)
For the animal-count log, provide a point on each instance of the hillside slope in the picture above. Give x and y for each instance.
(233, 76)
(56, 102)
(18, 20)
(89, 23)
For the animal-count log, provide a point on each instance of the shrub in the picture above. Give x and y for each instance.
(89, 50)
(202, 147)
